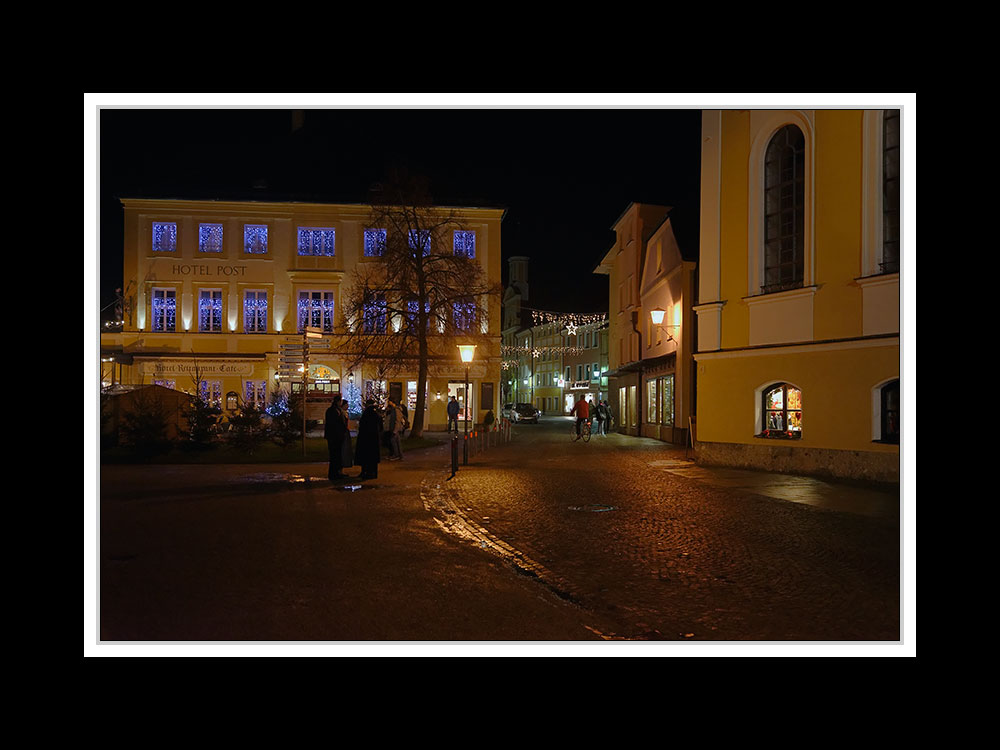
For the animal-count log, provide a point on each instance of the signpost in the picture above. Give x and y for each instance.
(293, 363)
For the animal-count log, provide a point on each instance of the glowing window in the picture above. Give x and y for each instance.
(164, 237)
(890, 191)
(374, 242)
(782, 412)
(255, 239)
(210, 310)
(210, 238)
(375, 313)
(420, 239)
(316, 309)
(164, 310)
(255, 311)
(465, 244)
(317, 241)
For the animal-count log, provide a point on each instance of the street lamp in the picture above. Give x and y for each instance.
(656, 315)
(467, 352)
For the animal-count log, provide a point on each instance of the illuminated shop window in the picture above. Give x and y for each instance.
(255, 239)
(164, 310)
(782, 412)
(171, 384)
(164, 237)
(890, 412)
(652, 408)
(232, 401)
(667, 400)
(255, 311)
(890, 191)
(316, 309)
(784, 210)
(255, 393)
(317, 241)
(420, 238)
(210, 310)
(210, 238)
(375, 313)
(211, 392)
(374, 242)
(465, 244)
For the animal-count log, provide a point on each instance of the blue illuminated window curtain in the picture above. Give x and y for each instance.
(210, 310)
(164, 237)
(464, 315)
(315, 241)
(255, 312)
(211, 392)
(420, 239)
(316, 309)
(413, 310)
(255, 393)
(210, 238)
(255, 239)
(164, 309)
(465, 244)
(374, 242)
(375, 314)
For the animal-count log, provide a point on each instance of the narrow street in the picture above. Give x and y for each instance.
(544, 539)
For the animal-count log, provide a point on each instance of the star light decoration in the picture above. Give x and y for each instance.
(571, 329)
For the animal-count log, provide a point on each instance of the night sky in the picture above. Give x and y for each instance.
(564, 175)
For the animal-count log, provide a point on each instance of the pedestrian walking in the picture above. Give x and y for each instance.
(582, 410)
(394, 428)
(609, 417)
(335, 431)
(367, 449)
(453, 413)
(599, 415)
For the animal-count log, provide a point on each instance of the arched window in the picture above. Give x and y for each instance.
(889, 412)
(890, 192)
(781, 412)
(784, 211)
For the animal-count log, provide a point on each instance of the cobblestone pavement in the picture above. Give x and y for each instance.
(662, 550)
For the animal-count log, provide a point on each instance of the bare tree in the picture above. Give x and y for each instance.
(418, 297)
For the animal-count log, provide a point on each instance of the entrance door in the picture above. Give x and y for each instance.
(465, 411)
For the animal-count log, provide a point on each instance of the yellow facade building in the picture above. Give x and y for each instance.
(213, 290)
(798, 360)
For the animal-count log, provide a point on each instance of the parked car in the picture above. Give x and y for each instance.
(509, 412)
(527, 413)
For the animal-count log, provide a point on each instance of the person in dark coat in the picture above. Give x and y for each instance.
(367, 448)
(335, 432)
(348, 450)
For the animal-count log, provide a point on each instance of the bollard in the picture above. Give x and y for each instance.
(465, 449)
(454, 455)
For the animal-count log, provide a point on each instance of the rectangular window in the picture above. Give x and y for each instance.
(420, 238)
(317, 241)
(316, 309)
(164, 237)
(255, 239)
(375, 314)
(633, 418)
(667, 400)
(211, 392)
(255, 393)
(255, 311)
(210, 310)
(596, 372)
(464, 315)
(586, 373)
(622, 406)
(465, 244)
(210, 238)
(652, 413)
(579, 372)
(374, 242)
(171, 384)
(413, 314)
(164, 310)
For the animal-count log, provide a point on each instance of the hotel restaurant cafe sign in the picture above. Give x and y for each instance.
(178, 368)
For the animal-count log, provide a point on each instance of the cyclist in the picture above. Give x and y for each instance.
(582, 411)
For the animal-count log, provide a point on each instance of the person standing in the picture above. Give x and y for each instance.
(453, 413)
(335, 432)
(367, 449)
(582, 410)
(348, 451)
(394, 426)
(599, 416)
(609, 418)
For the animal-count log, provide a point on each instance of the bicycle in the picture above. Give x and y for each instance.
(585, 431)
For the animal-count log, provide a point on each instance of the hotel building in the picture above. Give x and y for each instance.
(213, 290)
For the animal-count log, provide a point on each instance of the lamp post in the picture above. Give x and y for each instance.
(467, 352)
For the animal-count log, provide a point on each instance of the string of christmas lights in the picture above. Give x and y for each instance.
(569, 321)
